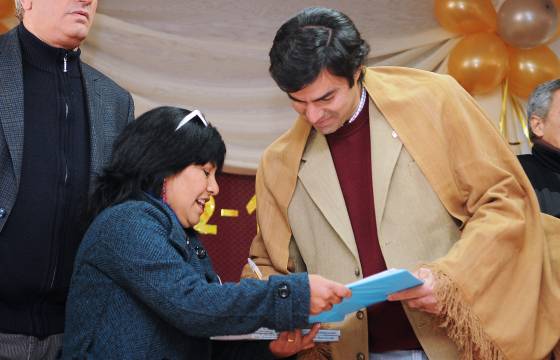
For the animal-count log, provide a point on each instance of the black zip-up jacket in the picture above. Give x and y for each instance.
(40, 238)
(543, 170)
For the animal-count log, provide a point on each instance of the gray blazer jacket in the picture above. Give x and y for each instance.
(110, 108)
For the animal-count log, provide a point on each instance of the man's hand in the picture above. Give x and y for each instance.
(325, 293)
(420, 297)
(292, 342)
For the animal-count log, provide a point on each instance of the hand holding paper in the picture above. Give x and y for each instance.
(292, 342)
(325, 293)
(420, 297)
(368, 291)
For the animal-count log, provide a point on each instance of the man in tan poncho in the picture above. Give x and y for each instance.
(395, 167)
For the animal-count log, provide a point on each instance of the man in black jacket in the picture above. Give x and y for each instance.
(58, 118)
(543, 165)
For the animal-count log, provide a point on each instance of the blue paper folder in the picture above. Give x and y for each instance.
(368, 291)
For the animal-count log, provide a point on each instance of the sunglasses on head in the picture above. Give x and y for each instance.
(193, 114)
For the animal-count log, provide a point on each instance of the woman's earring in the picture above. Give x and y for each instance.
(164, 191)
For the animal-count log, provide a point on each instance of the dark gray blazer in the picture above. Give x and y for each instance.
(110, 108)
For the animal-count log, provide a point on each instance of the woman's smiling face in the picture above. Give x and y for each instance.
(188, 191)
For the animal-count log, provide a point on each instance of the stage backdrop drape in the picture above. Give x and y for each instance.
(213, 55)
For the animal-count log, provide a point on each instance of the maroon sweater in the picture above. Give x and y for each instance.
(389, 328)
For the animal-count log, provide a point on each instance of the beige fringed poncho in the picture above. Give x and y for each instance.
(500, 283)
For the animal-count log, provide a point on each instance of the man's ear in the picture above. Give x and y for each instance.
(358, 73)
(537, 125)
(26, 4)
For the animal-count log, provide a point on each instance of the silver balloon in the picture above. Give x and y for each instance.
(527, 23)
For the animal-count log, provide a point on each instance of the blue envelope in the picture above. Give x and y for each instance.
(369, 291)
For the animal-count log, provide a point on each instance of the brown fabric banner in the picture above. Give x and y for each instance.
(231, 225)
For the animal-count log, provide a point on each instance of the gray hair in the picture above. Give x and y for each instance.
(19, 10)
(540, 100)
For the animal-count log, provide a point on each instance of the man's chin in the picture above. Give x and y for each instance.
(326, 130)
(75, 37)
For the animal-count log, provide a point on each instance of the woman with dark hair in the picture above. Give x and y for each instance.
(143, 286)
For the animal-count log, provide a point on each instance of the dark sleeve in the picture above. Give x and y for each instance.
(130, 109)
(526, 163)
(241, 350)
(138, 256)
(531, 169)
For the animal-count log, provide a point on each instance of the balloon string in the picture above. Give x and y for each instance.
(503, 112)
(518, 108)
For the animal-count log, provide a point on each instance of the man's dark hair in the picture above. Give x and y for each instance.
(150, 149)
(313, 40)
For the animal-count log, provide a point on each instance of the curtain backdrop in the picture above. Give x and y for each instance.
(213, 55)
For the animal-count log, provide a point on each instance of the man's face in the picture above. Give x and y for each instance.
(59, 23)
(549, 129)
(327, 102)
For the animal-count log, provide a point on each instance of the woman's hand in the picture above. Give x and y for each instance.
(325, 293)
(420, 297)
(292, 342)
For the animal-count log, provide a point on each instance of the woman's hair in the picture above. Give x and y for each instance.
(150, 149)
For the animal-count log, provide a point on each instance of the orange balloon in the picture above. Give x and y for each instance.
(3, 28)
(466, 16)
(531, 67)
(479, 62)
(7, 8)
